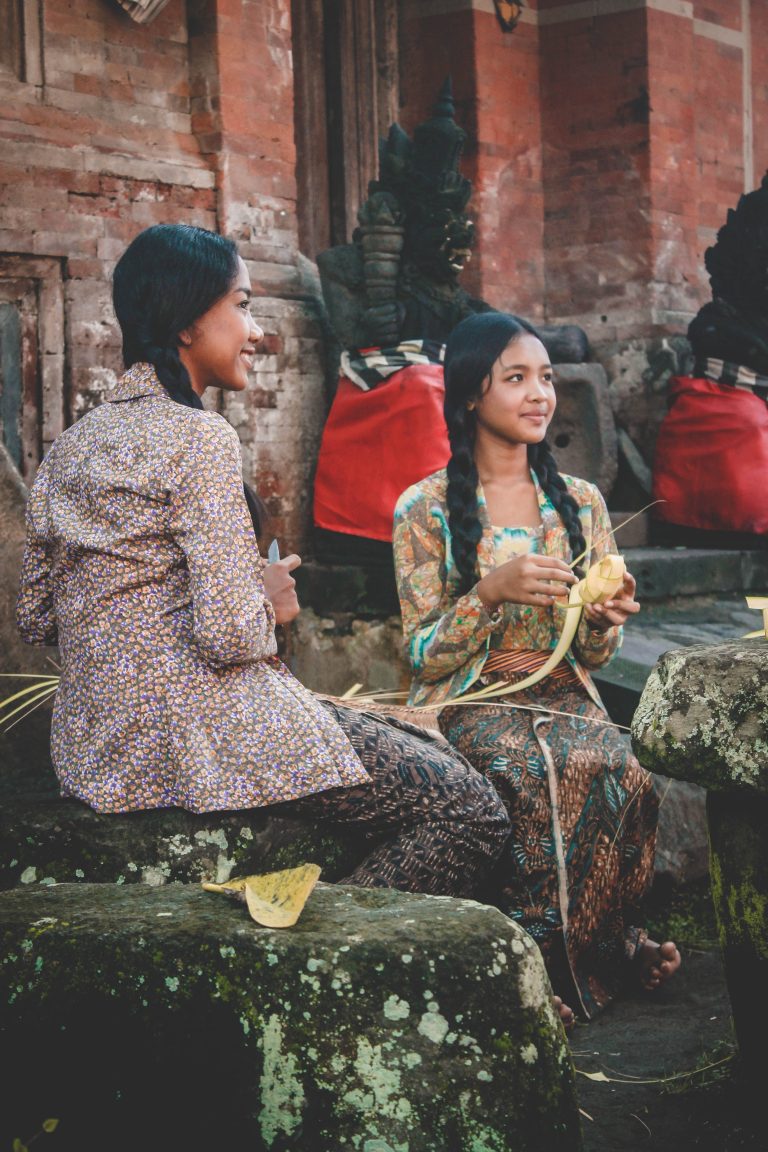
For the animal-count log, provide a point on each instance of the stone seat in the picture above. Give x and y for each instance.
(46, 839)
(164, 1017)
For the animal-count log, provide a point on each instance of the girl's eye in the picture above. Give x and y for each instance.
(245, 305)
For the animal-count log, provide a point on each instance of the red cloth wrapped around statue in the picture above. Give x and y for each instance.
(375, 444)
(711, 462)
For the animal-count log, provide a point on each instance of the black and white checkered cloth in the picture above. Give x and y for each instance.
(732, 375)
(369, 367)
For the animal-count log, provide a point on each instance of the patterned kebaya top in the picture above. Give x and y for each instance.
(449, 636)
(142, 564)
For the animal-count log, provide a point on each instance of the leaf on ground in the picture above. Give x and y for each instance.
(274, 899)
(601, 1076)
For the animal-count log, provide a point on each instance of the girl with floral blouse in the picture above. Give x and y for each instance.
(142, 564)
(483, 553)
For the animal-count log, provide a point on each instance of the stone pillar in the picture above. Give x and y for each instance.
(703, 717)
(241, 80)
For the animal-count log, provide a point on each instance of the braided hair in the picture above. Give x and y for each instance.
(472, 349)
(167, 278)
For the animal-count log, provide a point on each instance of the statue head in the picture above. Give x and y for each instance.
(738, 261)
(423, 176)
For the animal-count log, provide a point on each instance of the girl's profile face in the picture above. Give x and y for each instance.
(218, 350)
(518, 398)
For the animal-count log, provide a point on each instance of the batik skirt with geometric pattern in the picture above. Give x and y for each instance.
(579, 863)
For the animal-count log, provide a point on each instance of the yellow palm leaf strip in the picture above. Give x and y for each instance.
(47, 682)
(570, 628)
(274, 899)
(613, 531)
(27, 706)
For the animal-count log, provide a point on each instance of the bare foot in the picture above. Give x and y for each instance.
(658, 962)
(564, 1012)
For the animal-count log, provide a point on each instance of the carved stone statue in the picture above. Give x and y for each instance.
(392, 298)
(399, 278)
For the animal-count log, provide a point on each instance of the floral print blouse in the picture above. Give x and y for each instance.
(449, 636)
(142, 564)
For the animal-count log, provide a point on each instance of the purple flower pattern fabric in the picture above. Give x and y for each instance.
(142, 565)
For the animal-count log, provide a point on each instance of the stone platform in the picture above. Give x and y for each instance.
(165, 1018)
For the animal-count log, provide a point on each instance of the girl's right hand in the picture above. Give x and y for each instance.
(530, 579)
(280, 588)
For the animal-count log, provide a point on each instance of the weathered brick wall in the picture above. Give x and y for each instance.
(188, 118)
(496, 88)
(596, 171)
(99, 150)
(604, 149)
(611, 139)
(759, 87)
(242, 110)
(647, 135)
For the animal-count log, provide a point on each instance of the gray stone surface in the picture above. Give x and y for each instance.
(681, 842)
(381, 1022)
(703, 716)
(582, 432)
(675, 573)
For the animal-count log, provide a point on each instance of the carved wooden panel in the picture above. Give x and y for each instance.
(21, 49)
(347, 94)
(32, 404)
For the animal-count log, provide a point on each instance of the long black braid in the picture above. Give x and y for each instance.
(473, 348)
(166, 279)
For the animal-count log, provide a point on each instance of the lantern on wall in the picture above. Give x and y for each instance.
(142, 11)
(508, 12)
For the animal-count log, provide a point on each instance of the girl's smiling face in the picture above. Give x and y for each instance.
(218, 350)
(518, 400)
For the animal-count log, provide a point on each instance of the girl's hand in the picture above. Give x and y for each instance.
(601, 617)
(280, 588)
(529, 579)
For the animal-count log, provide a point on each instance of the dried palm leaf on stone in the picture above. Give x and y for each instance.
(274, 899)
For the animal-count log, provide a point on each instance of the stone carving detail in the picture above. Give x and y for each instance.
(399, 278)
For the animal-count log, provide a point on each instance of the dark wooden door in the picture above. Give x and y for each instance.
(346, 96)
(20, 387)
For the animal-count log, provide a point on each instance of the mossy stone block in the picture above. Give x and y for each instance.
(159, 1018)
(703, 716)
(738, 832)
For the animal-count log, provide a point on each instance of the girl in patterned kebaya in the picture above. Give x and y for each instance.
(142, 564)
(482, 555)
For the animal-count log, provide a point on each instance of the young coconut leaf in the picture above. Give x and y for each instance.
(274, 899)
(760, 602)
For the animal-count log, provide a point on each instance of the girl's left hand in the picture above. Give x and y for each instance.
(280, 588)
(601, 617)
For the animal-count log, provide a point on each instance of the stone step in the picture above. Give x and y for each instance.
(661, 572)
(165, 1018)
(673, 573)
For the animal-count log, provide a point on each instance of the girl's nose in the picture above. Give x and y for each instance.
(257, 333)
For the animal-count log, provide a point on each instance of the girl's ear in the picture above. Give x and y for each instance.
(185, 337)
